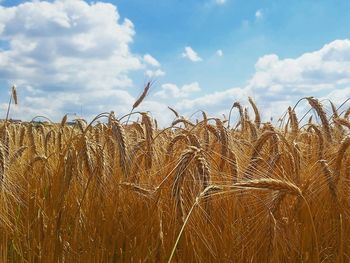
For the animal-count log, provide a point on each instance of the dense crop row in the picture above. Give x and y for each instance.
(208, 191)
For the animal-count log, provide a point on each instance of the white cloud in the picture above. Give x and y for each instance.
(191, 54)
(324, 73)
(158, 110)
(338, 96)
(313, 71)
(154, 73)
(219, 53)
(278, 83)
(215, 100)
(66, 43)
(220, 2)
(259, 14)
(69, 49)
(170, 90)
(151, 60)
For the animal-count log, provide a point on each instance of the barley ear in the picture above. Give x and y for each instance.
(321, 113)
(143, 96)
(14, 94)
(340, 154)
(271, 184)
(256, 112)
(174, 111)
(64, 120)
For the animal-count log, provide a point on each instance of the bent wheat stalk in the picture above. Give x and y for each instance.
(256, 112)
(286, 187)
(204, 193)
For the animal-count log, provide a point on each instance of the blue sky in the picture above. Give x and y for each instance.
(73, 56)
(288, 30)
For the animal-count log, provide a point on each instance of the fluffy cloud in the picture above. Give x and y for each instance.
(259, 14)
(154, 73)
(158, 110)
(220, 2)
(191, 54)
(151, 60)
(338, 96)
(72, 51)
(215, 101)
(314, 71)
(170, 90)
(66, 43)
(278, 83)
(219, 53)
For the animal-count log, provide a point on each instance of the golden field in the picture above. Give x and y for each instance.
(210, 191)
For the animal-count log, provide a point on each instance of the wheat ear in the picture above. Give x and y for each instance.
(321, 113)
(339, 158)
(119, 136)
(271, 184)
(256, 112)
(186, 158)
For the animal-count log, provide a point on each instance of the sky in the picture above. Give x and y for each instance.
(85, 57)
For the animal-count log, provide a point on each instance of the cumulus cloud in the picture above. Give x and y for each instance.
(214, 101)
(191, 54)
(170, 90)
(278, 83)
(158, 110)
(324, 73)
(313, 71)
(67, 49)
(220, 2)
(66, 43)
(338, 96)
(219, 53)
(154, 73)
(151, 60)
(259, 14)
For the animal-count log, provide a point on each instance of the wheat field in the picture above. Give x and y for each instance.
(212, 190)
